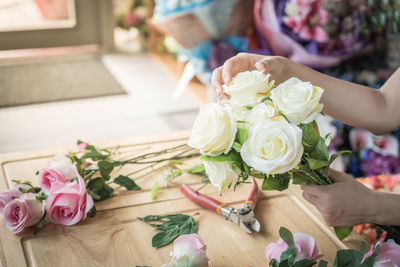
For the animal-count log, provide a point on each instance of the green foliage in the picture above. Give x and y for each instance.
(92, 212)
(342, 232)
(241, 135)
(236, 146)
(172, 226)
(126, 182)
(310, 136)
(105, 169)
(99, 190)
(232, 156)
(278, 182)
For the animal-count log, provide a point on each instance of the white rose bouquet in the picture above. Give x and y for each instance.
(266, 132)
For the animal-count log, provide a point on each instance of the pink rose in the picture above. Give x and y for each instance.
(68, 203)
(389, 254)
(22, 212)
(59, 169)
(7, 196)
(189, 250)
(306, 248)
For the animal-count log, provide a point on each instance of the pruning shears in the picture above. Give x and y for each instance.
(244, 217)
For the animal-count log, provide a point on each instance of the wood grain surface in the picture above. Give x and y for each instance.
(115, 237)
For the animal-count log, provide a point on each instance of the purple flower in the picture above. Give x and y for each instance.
(376, 164)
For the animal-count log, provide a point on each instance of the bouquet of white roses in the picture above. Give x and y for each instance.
(264, 131)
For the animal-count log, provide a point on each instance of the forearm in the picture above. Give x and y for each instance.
(387, 209)
(354, 104)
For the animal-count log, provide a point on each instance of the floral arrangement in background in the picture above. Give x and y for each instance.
(302, 250)
(373, 155)
(72, 183)
(266, 132)
(130, 20)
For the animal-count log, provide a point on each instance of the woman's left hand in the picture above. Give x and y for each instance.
(347, 202)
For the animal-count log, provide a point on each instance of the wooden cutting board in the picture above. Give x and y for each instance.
(115, 237)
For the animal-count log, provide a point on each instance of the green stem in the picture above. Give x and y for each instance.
(201, 187)
(148, 155)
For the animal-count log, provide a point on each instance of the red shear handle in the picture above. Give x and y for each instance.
(255, 192)
(203, 200)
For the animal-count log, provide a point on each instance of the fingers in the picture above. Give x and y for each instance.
(230, 69)
(216, 80)
(313, 189)
(310, 198)
(338, 176)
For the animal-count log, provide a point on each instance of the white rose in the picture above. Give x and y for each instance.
(63, 165)
(214, 130)
(273, 146)
(298, 100)
(260, 112)
(248, 87)
(220, 173)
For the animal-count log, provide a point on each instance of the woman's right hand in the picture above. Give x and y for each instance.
(276, 66)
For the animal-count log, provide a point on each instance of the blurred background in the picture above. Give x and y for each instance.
(102, 69)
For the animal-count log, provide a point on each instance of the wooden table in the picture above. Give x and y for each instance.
(115, 237)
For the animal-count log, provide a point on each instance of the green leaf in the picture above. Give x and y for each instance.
(95, 196)
(92, 212)
(342, 232)
(265, 99)
(287, 236)
(105, 169)
(348, 258)
(241, 135)
(278, 182)
(41, 196)
(336, 155)
(316, 164)
(164, 238)
(305, 263)
(232, 156)
(198, 169)
(249, 107)
(94, 155)
(320, 151)
(310, 136)
(236, 146)
(105, 193)
(205, 180)
(289, 254)
(323, 263)
(96, 185)
(172, 225)
(126, 182)
(299, 178)
(246, 169)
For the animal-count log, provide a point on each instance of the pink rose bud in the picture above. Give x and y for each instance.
(22, 212)
(82, 146)
(68, 203)
(59, 169)
(189, 250)
(7, 196)
(306, 248)
(389, 254)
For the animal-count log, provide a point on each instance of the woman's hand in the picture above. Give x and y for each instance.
(347, 202)
(274, 65)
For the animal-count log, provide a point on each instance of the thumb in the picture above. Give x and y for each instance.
(338, 176)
